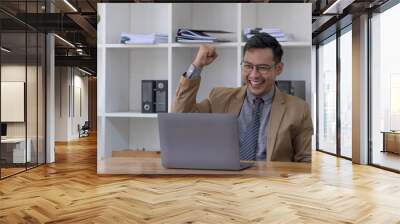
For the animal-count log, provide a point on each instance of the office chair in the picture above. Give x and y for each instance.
(84, 130)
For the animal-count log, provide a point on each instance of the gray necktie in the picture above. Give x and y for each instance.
(249, 140)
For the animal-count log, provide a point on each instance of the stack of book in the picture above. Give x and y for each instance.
(184, 35)
(138, 38)
(275, 32)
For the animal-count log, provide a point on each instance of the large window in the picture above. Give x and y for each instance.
(385, 89)
(335, 73)
(346, 93)
(327, 96)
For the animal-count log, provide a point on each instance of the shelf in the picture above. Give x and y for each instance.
(194, 45)
(134, 45)
(191, 45)
(124, 72)
(291, 44)
(131, 114)
(117, 18)
(296, 44)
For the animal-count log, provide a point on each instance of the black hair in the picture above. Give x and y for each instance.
(264, 40)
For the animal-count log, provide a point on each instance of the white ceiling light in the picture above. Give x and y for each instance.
(5, 50)
(337, 7)
(64, 40)
(70, 5)
(84, 71)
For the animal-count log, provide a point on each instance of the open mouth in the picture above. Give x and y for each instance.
(256, 83)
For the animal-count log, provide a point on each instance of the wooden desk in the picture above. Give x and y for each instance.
(391, 141)
(149, 163)
(13, 150)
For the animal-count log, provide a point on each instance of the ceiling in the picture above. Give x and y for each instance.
(76, 23)
(78, 27)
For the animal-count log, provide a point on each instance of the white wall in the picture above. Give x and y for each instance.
(69, 84)
(61, 103)
(33, 126)
(12, 73)
(12, 101)
(79, 117)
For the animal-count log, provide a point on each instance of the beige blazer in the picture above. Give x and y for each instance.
(289, 129)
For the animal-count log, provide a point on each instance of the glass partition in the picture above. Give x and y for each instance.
(13, 108)
(31, 100)
(22, 78)
(41, 87)
(346, 93)
(327, 96)
(385, 89)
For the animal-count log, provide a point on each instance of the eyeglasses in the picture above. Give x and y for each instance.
(262, 68)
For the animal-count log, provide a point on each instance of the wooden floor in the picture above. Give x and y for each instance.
(70, 191)
(5, 172)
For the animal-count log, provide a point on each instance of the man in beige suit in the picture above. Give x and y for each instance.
(273, 126)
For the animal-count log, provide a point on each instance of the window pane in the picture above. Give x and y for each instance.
(22, 87)
(327, 97)
(346, 94)
(385, 86)
(13, 86)
(41, 98)
(31, 98)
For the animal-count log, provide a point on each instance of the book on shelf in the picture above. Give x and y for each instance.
(274, 32)
(183, 40)
(139, 38)
(185, 35)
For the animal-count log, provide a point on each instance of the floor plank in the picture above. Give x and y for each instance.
(70, 191)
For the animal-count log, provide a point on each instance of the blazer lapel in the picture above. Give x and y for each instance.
(277, 111)
(235, 105)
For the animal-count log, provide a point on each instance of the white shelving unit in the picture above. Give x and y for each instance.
(134, 46)
(121, 68)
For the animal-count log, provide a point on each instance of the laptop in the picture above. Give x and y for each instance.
(200, 141)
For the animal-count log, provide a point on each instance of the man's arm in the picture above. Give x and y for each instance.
(302, 141)
(185, 98)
